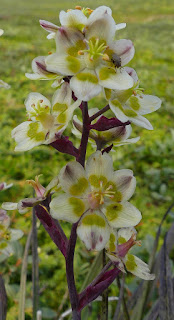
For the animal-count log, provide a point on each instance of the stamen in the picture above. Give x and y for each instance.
(78, 7)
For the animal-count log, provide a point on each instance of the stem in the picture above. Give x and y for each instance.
(3, 300)
(35, 268)
(104, 304)
(97, 114)
(70, 273)
(125, 310)
(85, 134)
(23, 278)
(117, 311)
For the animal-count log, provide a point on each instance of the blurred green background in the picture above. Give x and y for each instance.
(150, 25)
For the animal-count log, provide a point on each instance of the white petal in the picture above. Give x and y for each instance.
(99, 165)
(64, 64)
(114, 78)
(85, 85)
(117, 261)
(51, 35)
(4, 84)
(40, 70)
(125, 142)
(138, 267)
(121, 215)
(1, 32)
(73, 179)
(24, 142)
(125, 183)
(118, 110)
(15, 234)
(48, 26)
(73, 19)
(132, 73)
(63, 95)
(98, 13)
(102, 26)
(120, 26)
(9, 206)
(67, 208)
(34, 101)
(124, 49)
(141, 122)
(144, 104)
(94, 231)
(126, 233)
(67, 38)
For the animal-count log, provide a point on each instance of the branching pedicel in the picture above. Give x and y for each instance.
(89, 194)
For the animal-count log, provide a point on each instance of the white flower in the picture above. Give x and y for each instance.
(46, 120)
(98, 196)
(118, 251)
(131, 105)
(86, 51)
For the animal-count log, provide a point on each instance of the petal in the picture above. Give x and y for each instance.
(94, 231)
(121, 215)
(40, 70)
(98, 13)
(138, 267)
(124, 49)
(85, 85)
(1, 32)
(15, 234)
(64, 64)
(120, 26)
(67, 208)
(114, 78)
(118, 110)
(69, 40)
(73, 19)
(36, 103)
(132, 73)
(117, 261)
(9, 206)
(125, 183)
(125, 142)
(125, 234)
(73, 179)
(48, 26)
(141, 122)
(100, 25)
(99, 167)
(63, 95)
(28, 135)
(144, 104)
(4, 84)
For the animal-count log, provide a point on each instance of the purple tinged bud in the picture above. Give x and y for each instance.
(48, 26)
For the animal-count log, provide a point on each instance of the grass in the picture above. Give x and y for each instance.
(150, 27)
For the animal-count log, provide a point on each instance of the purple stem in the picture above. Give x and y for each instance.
(70, 273)
(85, 134)
(56, 233)
(97, 114)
